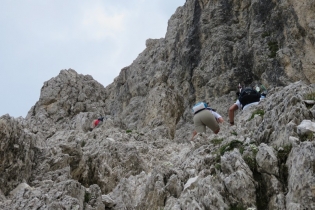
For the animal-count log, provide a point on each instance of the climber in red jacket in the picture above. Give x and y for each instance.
(97, 121)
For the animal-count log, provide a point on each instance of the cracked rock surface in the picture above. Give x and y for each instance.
(141, 156)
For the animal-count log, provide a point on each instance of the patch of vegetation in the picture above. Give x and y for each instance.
(265, 34)
(217, 157)
(237, 207)
(254, 149)
(251, 162)
(128, 131)
(259, 112)
(242, 149)
(310, 96)
(307, 137)
(87, 197)
(262, 198)
(284, 173)
(141, 134)
(216, 141)
(218, 166)
(234, 133)
(230, 146)
(273, 48)
(284, 153)
(168, 164)
(83, 143)
(308, 106)
(282, 156)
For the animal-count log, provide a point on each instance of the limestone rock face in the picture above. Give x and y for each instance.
(262, 162)
(209, 48)
(141, 156)
(64, 97)
(301, 176)
(17, 153)
(267, 160)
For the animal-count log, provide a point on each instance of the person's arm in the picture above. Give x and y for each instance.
(220, 120)
(232, 109)
(193, 135)
(218, 117)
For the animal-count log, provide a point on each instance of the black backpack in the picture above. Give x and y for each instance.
(248, 95)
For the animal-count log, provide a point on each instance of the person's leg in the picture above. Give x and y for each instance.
(217, 131)
(209, 120)
(193, 135)
(199, 126)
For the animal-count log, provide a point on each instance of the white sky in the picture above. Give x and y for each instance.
(39, 38)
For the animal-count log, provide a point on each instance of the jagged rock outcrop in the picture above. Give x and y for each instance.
(141, 157)
(17, 153)
(64, 97)
(244, 166)
(210, 47)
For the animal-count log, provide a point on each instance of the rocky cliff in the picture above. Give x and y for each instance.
(141, 156)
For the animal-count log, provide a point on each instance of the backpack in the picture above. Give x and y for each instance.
(199, 106)
(248, 95)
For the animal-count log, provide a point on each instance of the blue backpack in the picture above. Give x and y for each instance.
(199, 106)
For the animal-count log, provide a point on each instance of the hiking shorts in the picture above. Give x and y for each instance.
(203, 119)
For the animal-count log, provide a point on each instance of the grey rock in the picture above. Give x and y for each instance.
(141, 156)
(309, 102)
(238, 177)
(306, 127)
(267, 160)
(108, 202)
(301, 169)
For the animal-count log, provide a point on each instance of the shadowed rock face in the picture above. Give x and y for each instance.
(140, 157)
(16, 154)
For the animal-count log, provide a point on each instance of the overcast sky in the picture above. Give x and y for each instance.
(41, 37)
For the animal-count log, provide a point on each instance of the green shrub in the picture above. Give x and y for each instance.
(254, 149)
(283, 154)
(234, 133)
(237, 207)
(307, 137)
(128, 131)
(273, 48)
(310, 96)
(216, 141)
(139, 133)
(265, 34)
(242, 149)
(217, 157)
(87, 197)
(218, 166)
(83, 143)
(230, 146)
(259, 112)
(251, 162)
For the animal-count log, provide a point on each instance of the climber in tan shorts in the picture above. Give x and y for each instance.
(206, 117)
